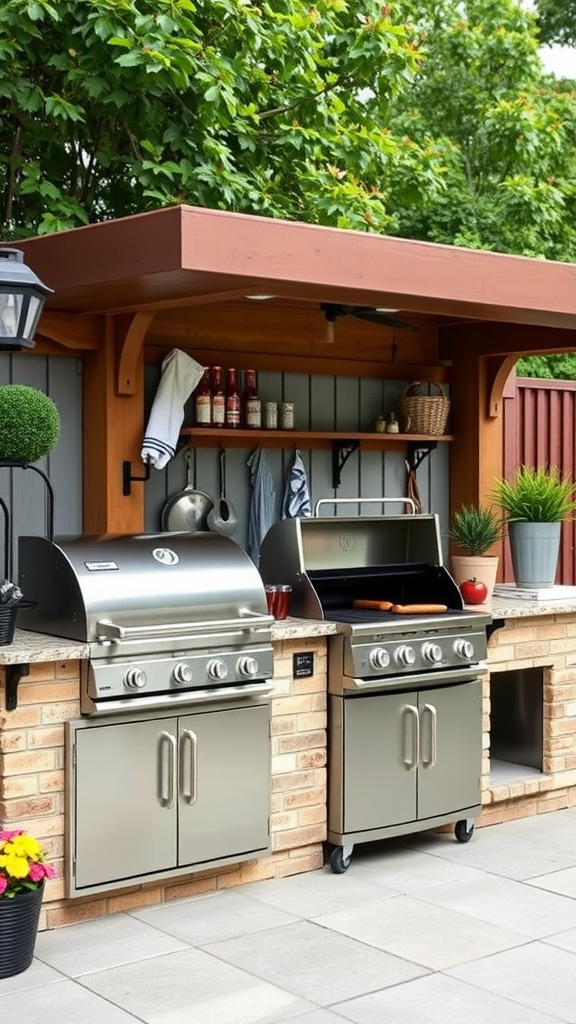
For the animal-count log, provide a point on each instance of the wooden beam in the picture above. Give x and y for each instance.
(113, 431)
(477, 450)
(499, 369)
(78, 331)
(498, 339)
(130, 331)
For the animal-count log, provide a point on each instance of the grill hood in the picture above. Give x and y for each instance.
(330, 561)
(146, 581)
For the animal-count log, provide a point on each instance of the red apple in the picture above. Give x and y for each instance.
(473, 591)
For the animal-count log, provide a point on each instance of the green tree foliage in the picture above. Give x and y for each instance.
(557, 21)
(558, 367)
(506, 128)
(274, 107)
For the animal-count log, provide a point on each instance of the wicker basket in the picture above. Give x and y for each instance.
(424, 414)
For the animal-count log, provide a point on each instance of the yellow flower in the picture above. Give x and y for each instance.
(17, 867)
(23, 846)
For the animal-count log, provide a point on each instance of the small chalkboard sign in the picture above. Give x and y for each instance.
(303, 665)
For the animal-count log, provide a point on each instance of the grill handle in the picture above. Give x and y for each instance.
(108, 630)
(363, 501)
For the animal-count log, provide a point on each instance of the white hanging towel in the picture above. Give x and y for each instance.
(180, 375)
(296, 500)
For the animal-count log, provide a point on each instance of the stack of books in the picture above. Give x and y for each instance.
(514, 593)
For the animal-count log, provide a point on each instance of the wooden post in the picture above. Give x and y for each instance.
(113, 432)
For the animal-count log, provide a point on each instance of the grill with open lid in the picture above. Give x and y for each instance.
(168, 618)
(332, 561)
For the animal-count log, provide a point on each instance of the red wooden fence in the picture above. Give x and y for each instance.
(539, 430)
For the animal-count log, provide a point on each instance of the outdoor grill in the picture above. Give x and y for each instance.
(172, 752)
(169, 618)
(405, 719)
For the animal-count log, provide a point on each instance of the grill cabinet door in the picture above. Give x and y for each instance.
(123, 824)
(453, 782)
(224, 799)
(379, 761)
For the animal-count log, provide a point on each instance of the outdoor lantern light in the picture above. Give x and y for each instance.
(22, 296)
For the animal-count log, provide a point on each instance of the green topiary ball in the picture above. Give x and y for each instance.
(29, 423)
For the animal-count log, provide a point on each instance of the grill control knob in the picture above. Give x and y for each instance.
(217, 669)
(182, 674)
(405, 655)
(248, 667)
(379, 658)
(464, 649)
(135, 678)
(432, 652)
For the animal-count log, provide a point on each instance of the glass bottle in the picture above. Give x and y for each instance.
(203, 401)
(252, 404)
(218, 398)
(232, 400)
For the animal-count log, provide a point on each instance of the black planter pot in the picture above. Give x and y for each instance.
(19, 918)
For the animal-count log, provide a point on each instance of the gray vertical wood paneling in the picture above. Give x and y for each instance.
(23, 490)
(321, 403)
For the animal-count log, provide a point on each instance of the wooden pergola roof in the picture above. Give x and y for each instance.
(184, 255)
(182, 277)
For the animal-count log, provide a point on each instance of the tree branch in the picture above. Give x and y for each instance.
(14, 160)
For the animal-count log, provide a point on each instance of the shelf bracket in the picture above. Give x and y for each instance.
(417, 451)
(14, 674)
(341, 452)
(128, 479)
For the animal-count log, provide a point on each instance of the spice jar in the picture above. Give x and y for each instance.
(286, 415)
(380, 425)
(270, 415)
(392, 426)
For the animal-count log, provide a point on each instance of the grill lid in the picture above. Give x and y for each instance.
(137, 586)
(331, 561)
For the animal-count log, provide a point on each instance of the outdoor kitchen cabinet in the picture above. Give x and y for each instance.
(163, 793)
(404, 759)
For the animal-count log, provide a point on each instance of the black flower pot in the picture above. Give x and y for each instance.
(19, 918)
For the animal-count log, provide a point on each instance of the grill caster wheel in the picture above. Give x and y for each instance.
(339, 862)
(464, 831)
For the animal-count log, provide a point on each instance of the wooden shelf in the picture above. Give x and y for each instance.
(198, 437)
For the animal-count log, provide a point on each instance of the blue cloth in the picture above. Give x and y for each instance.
(296, 501)
(262, 502)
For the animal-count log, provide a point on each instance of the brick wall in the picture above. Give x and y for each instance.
(547, 642)
(32, 783)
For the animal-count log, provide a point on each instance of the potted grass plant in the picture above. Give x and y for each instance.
(535, 503)
(475, 529)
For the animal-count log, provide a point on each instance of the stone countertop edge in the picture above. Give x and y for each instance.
(36, 647)
(504, 608)
(28, 646)
(301, 629)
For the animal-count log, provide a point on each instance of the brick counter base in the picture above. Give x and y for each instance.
(547, 642)
(32, 784)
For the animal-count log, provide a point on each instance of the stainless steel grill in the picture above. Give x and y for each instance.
(404, 692)
(172, 754)
(169, 618)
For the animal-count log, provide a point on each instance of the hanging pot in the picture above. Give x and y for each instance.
(223, 519)
(188, 510)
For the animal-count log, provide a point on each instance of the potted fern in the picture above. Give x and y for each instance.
(474, 530)
(534, 503)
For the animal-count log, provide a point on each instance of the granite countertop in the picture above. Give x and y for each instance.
(28, 646)
(299, 629)
(507, 608)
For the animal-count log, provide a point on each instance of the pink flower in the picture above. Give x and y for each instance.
(36, 873)
(3, 884)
